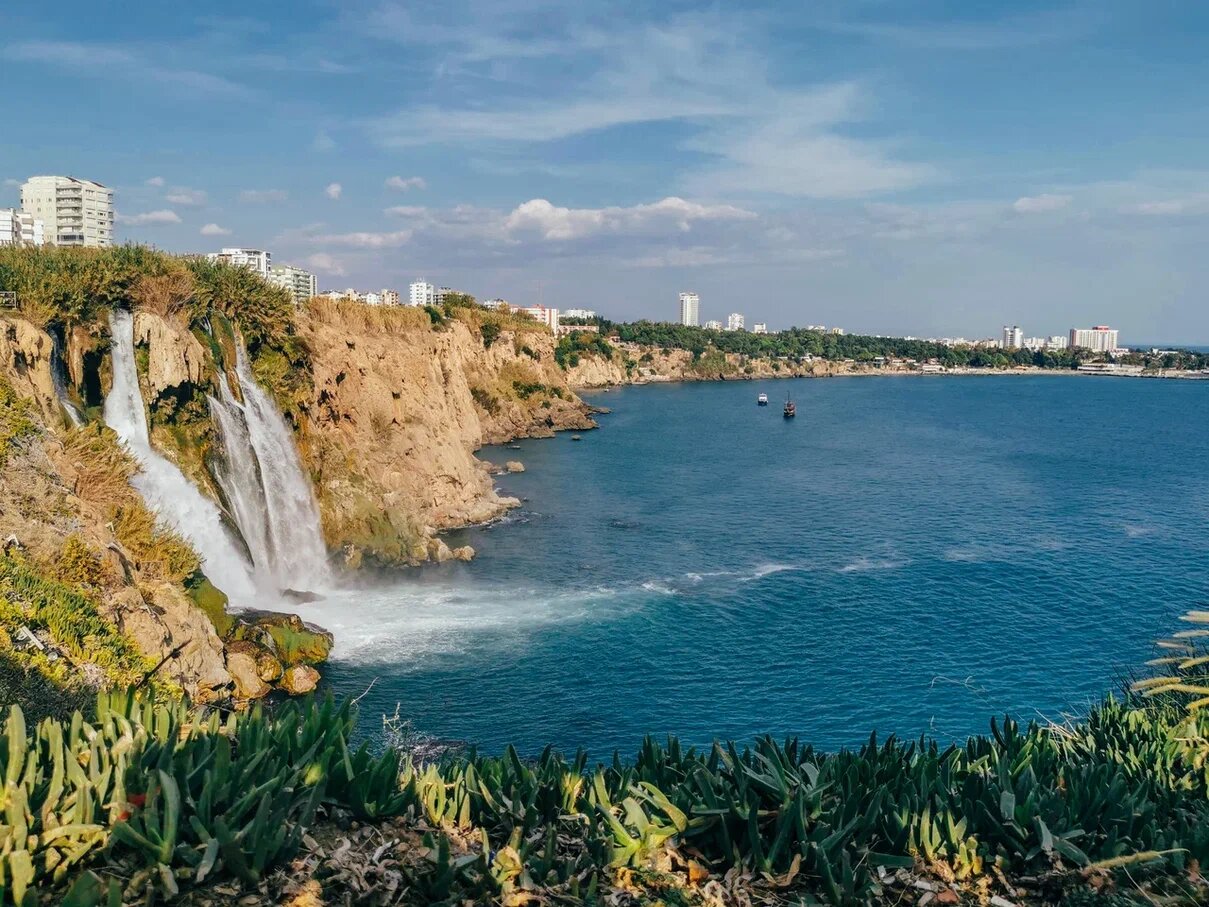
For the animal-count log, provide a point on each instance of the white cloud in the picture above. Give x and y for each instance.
(263, 196)
(163, 216)
(406, 211)
(326, 264)
(155, 182)
(551, 222)
(411, 182)
(951, 34)
(1036, 204)
(365, 240)
(706, 74)
(102, 60)
(323, 142)
(182, 195)
(214, 230)
(333, 190)
(1172, 207)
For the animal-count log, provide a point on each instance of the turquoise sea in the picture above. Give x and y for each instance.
(909, 555)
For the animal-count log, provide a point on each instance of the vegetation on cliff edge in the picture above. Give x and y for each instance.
(799, 343)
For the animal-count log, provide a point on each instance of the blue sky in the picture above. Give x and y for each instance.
(891, 166)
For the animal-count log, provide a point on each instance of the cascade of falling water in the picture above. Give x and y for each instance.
(163, 486)
(56, 375)
(268, 491)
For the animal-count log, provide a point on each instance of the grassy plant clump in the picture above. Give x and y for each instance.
(79, 566)
(159, 551)
(16, 419)
(485, 400)
(72, 619)
(1180, 673)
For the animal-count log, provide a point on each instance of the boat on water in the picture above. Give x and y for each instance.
(791, 408)
(762, 400)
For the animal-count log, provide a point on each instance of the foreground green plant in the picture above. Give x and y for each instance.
(174, 794)
(161, 797)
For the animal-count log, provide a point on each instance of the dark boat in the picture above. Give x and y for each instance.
(791, 408)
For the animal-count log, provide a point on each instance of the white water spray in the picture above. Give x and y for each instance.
(268, 492)
(163, 486)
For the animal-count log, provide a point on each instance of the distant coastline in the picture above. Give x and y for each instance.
(600, 376)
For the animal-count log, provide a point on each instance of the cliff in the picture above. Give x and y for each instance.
(72, 519)
(636, 364)
(398, 406)
(84, 555)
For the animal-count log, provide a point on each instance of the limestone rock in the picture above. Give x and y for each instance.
(398, 410)
(175, 357)
(268, 668)
(439, 551)
(288, 636)
(299, 680)
(244, 671)
(25, 358)
(514, 466)
(465, 553)
(171, 621)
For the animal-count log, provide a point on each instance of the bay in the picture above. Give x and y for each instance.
(909, 556)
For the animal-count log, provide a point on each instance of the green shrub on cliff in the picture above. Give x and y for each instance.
(72, 618)
(65, 287)
(570, 346)
(16, 421)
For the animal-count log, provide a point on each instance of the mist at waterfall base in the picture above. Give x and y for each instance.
(909, 555)
(273, 507)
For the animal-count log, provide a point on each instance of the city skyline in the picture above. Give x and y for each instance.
(891, 167)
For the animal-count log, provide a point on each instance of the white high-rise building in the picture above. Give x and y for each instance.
(689, 303)
(713, 325)
(1100, 339)
(548, 317)
(253, 259)
(74, 212)
(20, 228)
(734, 321)
(422, 293)
(1013, 338)
(585, 314)
(1057, 342)
(302, 285)
(759, 328)
(390, 297)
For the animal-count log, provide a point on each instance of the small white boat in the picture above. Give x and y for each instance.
(762, 400)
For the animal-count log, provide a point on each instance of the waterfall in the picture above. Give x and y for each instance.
(163, 486)
(56, 376)
(268, 491)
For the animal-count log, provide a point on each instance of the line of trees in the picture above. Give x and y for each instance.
(799, 343)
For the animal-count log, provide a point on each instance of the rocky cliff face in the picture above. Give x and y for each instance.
(400, 405)
(57, 486)
(652, 364)
(70, 513)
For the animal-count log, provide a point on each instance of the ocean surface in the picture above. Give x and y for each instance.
(910, 555)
